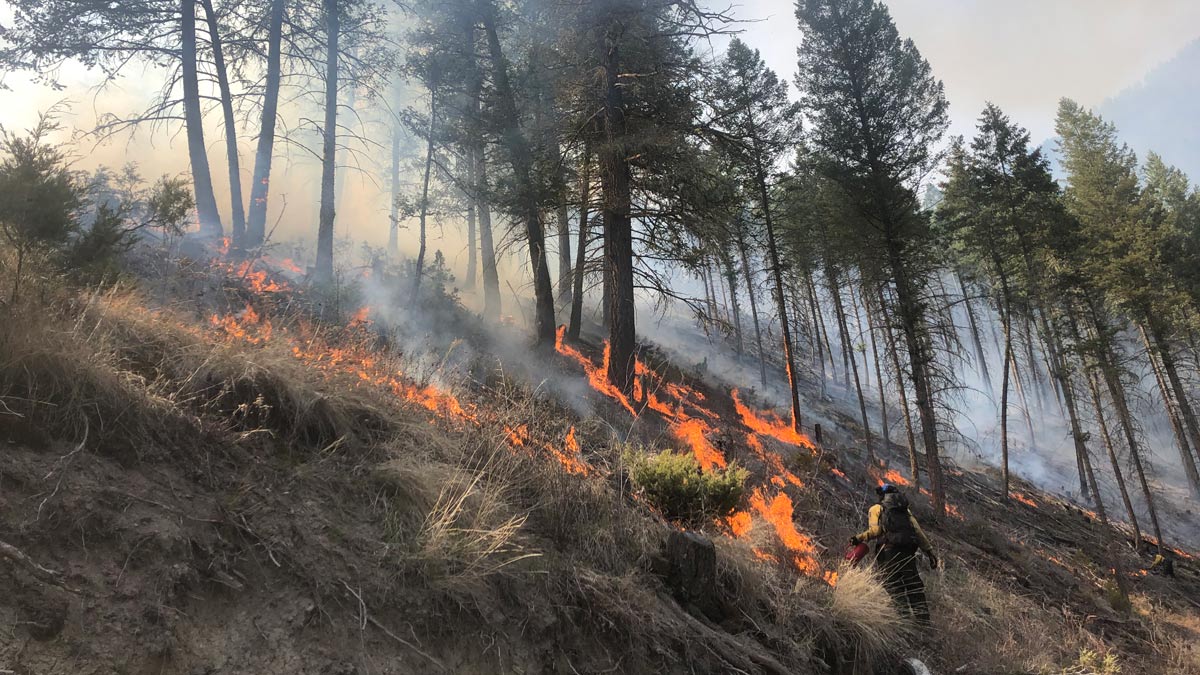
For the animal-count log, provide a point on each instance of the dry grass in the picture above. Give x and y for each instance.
(868, 625)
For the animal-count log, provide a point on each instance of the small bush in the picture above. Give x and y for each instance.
(1117, 599)
(675, 484)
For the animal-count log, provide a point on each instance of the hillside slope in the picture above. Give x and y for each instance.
(239, 488)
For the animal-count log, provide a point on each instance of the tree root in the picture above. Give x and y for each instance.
(16, 555)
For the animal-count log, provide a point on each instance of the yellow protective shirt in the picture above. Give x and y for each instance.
(875, 529)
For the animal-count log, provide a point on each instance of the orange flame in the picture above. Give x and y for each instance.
(769, 424)
(688, 430)
(597, 376)
(570, 456)
(360, 317)
(892, 476)
(249, 327)
(837, 472)
(831, 578)
(1023, 499)
(778, 511)
(764, 556)
(691, 431)
(740, 523)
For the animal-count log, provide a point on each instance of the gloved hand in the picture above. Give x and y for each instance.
(855, 541)
(933, 560)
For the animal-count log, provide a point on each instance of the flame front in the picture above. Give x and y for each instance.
(778, 511)
(770, 424)
(1028, 501)
(691, 431)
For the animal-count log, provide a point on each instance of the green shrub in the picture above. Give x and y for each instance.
(675, 484)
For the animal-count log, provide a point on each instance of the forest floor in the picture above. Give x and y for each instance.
(209, 482)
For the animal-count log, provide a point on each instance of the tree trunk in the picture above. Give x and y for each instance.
(1062, 377)
(521, 159)
(1181, 398)
(393, 245)
(911, 320)
(1116, 391)
(831, 275)
(817, 327)
(1175, 417)
(1098, 404)
(710, 297)
(980, 357)
(726, 263)
(743, 250)
(858, 323)
(487, 247)
(781, 302)
(237, 206)
(256, 219)
(914, 466)
(419, 266)
(1006, 319)
(206, 202)
(472, 250)
(883, 412)
(565, 282)
(480, 190)
(585, 202)
(324, 266)
(615, 181)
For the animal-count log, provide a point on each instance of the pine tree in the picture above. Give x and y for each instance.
(877, 114)
(757, 125)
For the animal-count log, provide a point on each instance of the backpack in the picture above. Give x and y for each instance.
(898, 531)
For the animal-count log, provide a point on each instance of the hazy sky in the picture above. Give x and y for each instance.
(1023, 55)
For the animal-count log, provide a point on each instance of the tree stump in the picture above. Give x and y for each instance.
(692, 573)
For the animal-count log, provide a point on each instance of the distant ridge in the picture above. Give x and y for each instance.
(1160, 114)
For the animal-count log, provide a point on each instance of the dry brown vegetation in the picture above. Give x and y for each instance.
(200, 497)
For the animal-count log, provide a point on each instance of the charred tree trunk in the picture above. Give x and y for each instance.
(585, 202)
(419, 266)
(237, 206)
(256, 219)
(202, 187)
(522, 161)
(743, 250)
(324, 267)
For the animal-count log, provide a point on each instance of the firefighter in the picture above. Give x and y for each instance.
(899, 537)
(1162, 565)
